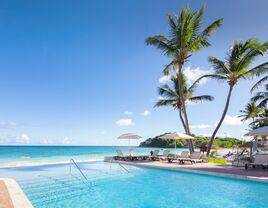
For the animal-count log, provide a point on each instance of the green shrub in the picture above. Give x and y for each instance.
(217, 160)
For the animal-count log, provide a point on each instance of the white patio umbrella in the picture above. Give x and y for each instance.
(176, 136)
(129, 136)
(259, 132)
(262, 131)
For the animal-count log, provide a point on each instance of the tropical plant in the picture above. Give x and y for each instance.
(261, 97)
(185, 37)
(170, 95)
(261, 120)
(251, 112)
(199, 141)
(235, 67)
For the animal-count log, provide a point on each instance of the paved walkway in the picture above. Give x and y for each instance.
(256, 174)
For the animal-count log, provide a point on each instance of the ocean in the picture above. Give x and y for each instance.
(64, 153)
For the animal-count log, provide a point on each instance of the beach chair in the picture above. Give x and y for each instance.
(165, 155)
(196, 157)
(155, 155)
(183, 155)
(133, 155)
(120, 155)
(260, 160)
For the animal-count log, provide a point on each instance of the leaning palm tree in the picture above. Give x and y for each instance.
(251, 112)
(261, 97)
(170, 96)
(235, 67)
(184, 39)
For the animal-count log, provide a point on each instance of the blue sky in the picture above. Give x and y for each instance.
(70, 70)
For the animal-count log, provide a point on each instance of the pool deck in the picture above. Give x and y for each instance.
(11, 195)
(204, 168)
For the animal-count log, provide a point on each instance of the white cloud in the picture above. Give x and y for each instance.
(46, 141)
(193, 74)
(7, 125)
(164, 79)
(125, 122)
(66, 140)
(200, 126)
(232, 120)
(146, 113)
(23, 139)
(128, 113)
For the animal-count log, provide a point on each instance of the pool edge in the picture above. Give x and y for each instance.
(17, 196)
(179, 169)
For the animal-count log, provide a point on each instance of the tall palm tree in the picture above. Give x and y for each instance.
(171, 96)
(185, 38)
(251, 111)
(237, 66)
(261, 97)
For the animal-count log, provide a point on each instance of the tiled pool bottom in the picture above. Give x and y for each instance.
(109, 185)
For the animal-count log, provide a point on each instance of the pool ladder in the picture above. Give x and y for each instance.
(78, 168)
(122, 166)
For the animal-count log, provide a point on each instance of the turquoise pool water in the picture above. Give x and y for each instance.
(62, 153)
(110, 186)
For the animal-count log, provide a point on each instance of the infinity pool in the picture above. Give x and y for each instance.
(111, 186)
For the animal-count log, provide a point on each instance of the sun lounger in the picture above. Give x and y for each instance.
(165, 155)
(132, 155)
(183, 155)
(120, 155)
(155, 155)
(196, 157)
(261, 160)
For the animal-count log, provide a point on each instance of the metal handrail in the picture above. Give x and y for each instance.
(119, 165)
(123, 167)
(72, 160)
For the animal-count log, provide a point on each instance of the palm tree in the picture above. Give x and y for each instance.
(251, 111)
(262, 120)
(235, 67)
(261, 97)
(171, 96)
(184, 39)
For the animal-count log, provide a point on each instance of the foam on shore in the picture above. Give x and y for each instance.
(38, 163)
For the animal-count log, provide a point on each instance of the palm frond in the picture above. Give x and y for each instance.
(163, 43)
(256, 71)
(259, 83)
(201, 98)
(251, 49)
(212, 76)
(218, 65)
(212, 28)
(165, 102)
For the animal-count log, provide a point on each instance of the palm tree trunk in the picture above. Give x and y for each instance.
(187, 128)
(182, 120)
(221, 120)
